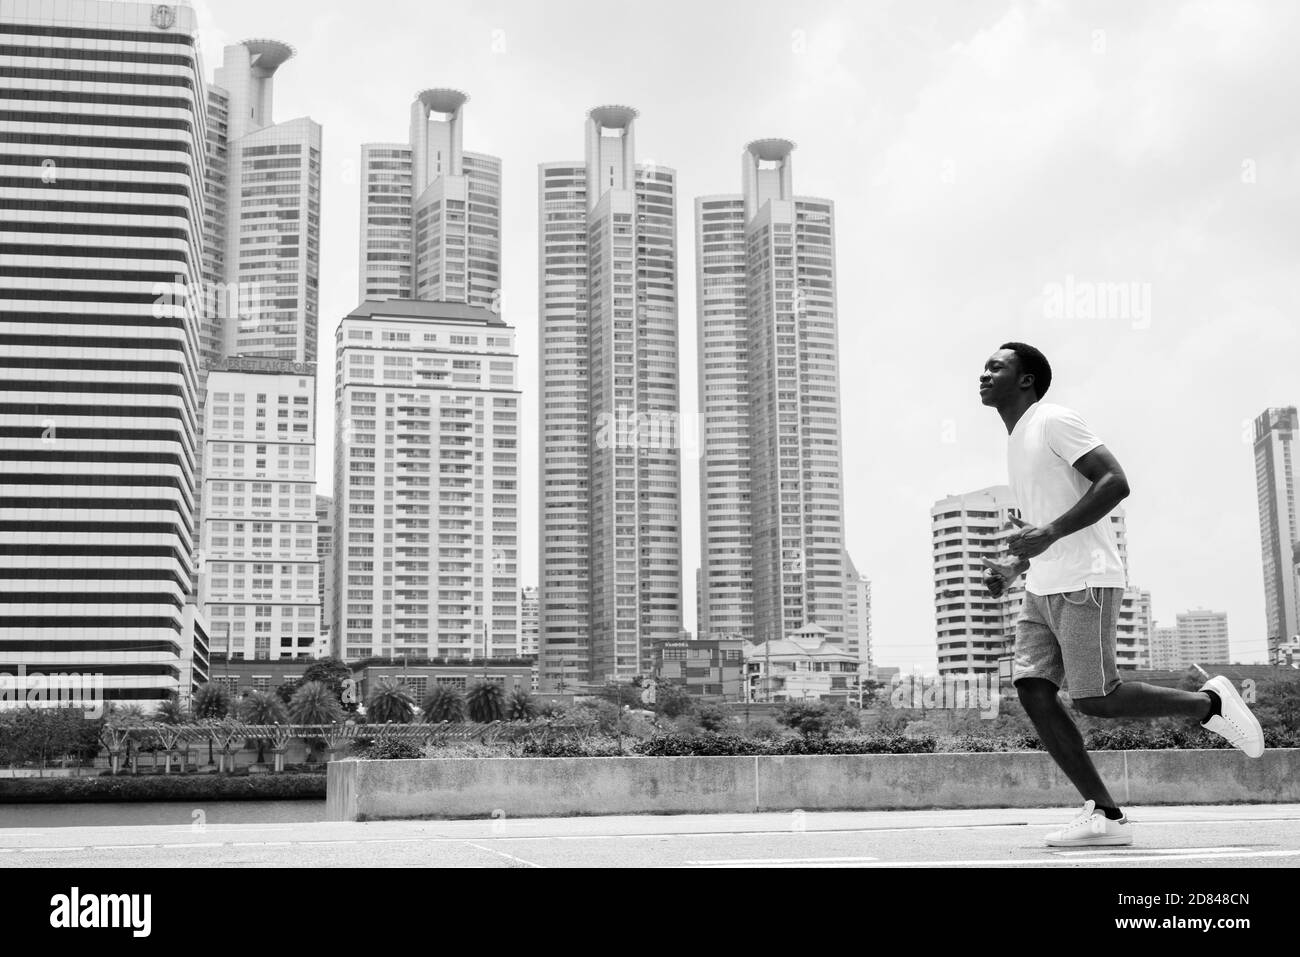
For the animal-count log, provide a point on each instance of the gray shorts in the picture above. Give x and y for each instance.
(1069, 640)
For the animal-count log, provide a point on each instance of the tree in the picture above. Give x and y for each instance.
(330, 671)
(810, 718)
(672, 700)
(486, 702)
(520, 706)
(212, 701)
(443, 703)
(172, 711)
(285, 689)
(262, 707)
(713, 717)
(390, 701)
(314, 703)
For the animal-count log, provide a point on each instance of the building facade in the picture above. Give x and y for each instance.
(1279, 533)
(426, 483)
(804, 666)
(1202, 637)
(610, 496)
(974, 629)
(262, 249)
(325, 555)
(771, 494)
(857, 612)
(431, 212)
(261, 568)
(706, 668)
(1164, 648)
(101, 215)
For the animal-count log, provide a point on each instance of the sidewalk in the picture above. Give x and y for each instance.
(1255, 835)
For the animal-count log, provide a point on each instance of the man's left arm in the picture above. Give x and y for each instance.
(1109, 488)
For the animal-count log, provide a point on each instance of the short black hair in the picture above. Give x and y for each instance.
(1034, 363)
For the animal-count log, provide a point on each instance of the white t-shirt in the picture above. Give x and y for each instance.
(1041, 452)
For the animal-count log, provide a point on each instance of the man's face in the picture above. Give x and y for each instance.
(1000, 380)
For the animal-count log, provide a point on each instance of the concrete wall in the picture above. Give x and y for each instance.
(557, 787)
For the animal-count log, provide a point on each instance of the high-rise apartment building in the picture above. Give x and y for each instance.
(610, 541)
(324, 554)
(431, 211)
(102, 116)
(1279, 533)
(974, 628)
(262, 249)
(528, 608)
(857, 612)
(1203, 637)
(261, 571)
(426, 482)
(1164, 648)
(772, 524)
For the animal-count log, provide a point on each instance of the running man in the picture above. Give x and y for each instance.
(1066, 484)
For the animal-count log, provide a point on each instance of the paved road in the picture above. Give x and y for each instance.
(1232, 836)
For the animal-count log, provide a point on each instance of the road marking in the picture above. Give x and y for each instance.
(1150, 850)
(762, 861)
(509, 857)
(1077, 861)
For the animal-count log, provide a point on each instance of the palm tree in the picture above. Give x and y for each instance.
(486, 702)
(262, 707)
(171, 712)
(444, 703)
(390, 701)
(520, 706)
(211, 701)
(315, 703)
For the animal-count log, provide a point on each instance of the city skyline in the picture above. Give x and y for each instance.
(1206, 236)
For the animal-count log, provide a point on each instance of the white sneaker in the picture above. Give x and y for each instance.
(1236, 723)
(1092, 828)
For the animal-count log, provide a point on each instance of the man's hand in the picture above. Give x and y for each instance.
(998, 575)
(1030, 540)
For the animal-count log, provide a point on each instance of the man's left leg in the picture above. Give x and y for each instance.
(1088, 652)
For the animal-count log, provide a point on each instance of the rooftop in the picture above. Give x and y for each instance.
(425, 310)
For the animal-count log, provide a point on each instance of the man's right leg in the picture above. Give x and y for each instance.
(1061, 739)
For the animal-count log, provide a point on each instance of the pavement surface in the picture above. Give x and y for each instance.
(1199, 836)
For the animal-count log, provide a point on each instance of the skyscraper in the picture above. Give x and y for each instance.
(100, 213)
(426, 482)
(610, 542)
(262, 251)
(1279, 533)
(772, 524)
(430, 211)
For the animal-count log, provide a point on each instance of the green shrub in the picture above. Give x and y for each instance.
(389, 749)
(712, 717)
(700, 744)
(164, 787)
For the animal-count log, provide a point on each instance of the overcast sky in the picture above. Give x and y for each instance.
(992, 163)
